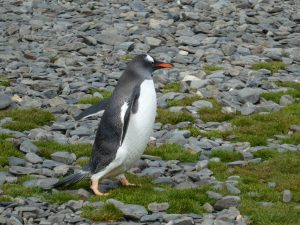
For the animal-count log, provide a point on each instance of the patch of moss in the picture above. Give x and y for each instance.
(173, 152)
(106, 213)
(127, 58)
(265, 154)
(26, 119)
(106, 94)
(294, 139)
(220, 170)
(214, 114)
(7, 150)
(273, 66)
(4, 136)
(187, 101)
(208, 69)
(164, 116)
(90, 100)
(5, 198)
(227, 156)
(52, 59)
(195, 132)
(172, 87)
(4, 82)
(49, 147)
(61, 197)
(17, 190)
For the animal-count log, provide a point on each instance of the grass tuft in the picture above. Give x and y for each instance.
(90, 100)
(265, 154)
(214, 114)
(106, 213)
(49, 147)
(61, 197)
(164, 116)
(173, 152)
(208, 69)
(187, 101)
(7, 150)
(172, 87)
(227, 156)
(94, 99)
(294, 139)
(273, 66)
(26, 119)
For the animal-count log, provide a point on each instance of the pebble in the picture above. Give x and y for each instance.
(287, 196)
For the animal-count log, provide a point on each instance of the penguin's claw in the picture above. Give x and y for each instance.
(125, 182)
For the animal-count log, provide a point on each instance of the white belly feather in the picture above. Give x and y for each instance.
(138, 132)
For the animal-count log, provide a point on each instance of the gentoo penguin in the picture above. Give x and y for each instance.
(125, 127)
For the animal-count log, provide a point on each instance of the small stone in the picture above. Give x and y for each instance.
(64, 157)
(75, 205)
(158, 207)
(227, 202)
(286, 100)
(33, 158)
(14, 161)
(154, 42)
(27, 146)
(287, 196)
(271, 184)
(295, 128)
(5, 101)
(181, 221)
(61, 170)
(232, 189)
(208, 207)
(202, 104)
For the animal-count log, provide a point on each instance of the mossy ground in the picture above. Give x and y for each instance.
(7, 149)
(208, 69)
(273, 66)
(94, 99)
(281, 168)
(173, 151)
(165, 116)
(26, 119)
(172, 87)
(183, 102)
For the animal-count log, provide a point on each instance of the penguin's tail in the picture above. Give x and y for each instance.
(73, 178)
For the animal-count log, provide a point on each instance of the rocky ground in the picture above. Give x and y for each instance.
(54, 54)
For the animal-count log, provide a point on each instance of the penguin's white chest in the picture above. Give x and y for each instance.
(139, 127)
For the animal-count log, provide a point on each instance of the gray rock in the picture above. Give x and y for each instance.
(154, 42)
(18, 170)
(153, 171)
(192, 41)
(5, 101)
(232, 189)
(214, 195)
(208, 207)
(227, 202)
(271, 184)
(287, 196)
(158, 207)
(130, 211)
(14, 161)
(110, 38)
(27, 146)
(151, 218)
(286, 100)
(33, 158)
(181, 221)
(249, 95)
(75, 205)
(45, 183)
(64, 157)
(202, 104)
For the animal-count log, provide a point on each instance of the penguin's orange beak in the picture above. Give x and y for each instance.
(162, 65)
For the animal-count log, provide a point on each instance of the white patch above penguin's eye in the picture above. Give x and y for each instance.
(149, 59)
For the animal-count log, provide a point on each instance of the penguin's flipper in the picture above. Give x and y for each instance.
(93, 110)
(132, 108)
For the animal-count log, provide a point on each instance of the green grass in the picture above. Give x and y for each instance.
(173, 151)
(208, 69)
(17, 190)
(4, 82)
(273, 66)
(60, 197)
(90, 100)
(26, 119)
(172, 87)
(106, 213)
(187, 101)
(226, 156)
(294, 139)
(214, 114)
(164, 116)
(180, 201)
(49, 147)
(265, 154)
(195, 132)
(7, 149)
(281, 168)
(94, 99)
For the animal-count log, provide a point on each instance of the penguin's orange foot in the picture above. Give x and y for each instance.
(125, 182)
(95, 189)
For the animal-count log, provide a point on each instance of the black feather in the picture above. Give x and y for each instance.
(71, 179)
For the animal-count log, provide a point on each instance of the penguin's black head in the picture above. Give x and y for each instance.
(148, 63)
